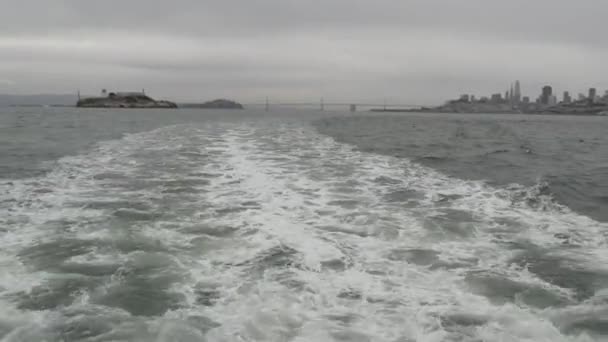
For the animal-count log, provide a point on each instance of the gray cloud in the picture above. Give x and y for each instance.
(417, 51)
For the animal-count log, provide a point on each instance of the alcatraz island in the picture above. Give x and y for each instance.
(141, 100)
(123, 100)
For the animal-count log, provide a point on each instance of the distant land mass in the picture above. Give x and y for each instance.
(579, 107)
(37, 100)
(583, 107)
(215, 104)
(124, 100)
(514, 102)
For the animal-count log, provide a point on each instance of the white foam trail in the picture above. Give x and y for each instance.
(293, 175)
(296, 237)
(71, 202)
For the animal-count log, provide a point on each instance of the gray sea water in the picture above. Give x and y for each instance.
(182, 225)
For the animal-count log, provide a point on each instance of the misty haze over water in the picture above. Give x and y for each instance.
(416, 51)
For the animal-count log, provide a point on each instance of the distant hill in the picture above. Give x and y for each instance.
(215, 104)
(38, 100)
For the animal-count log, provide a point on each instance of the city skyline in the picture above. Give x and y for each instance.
(547, 97)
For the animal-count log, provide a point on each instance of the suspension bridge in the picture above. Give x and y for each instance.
(323, 106)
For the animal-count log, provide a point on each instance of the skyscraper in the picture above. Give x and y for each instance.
(567, 97)
(546, 95)
(592, 94)
(517, 93)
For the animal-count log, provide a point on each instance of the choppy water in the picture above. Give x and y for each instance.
(204, 226)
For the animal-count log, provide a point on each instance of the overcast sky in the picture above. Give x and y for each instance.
(411, 51)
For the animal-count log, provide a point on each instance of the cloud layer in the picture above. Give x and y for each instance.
(418, 52)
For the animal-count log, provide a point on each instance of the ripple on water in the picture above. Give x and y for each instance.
(402, 195)
(181, 191)
(50, 255)
(384, 180)
(451, 223)
(345, 230)
(231, 210)
(500, 289)
(206, 294)
(143, 286)
(209, 230)
(346, 204)
(420, 257)
(276, 257)
(184, 183)
(114, 205)
(339, 265)
(562, 272)
(111, 176)
(136, 215)
(55, 292)
(89, 269)
(585, 325)
(135, 242)
(461, 326)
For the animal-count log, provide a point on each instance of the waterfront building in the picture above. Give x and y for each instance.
(552, 100)
(546, 94)
(567, 97)
(496, 98)
(592, 94)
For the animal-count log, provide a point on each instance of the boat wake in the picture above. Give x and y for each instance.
(273, 232)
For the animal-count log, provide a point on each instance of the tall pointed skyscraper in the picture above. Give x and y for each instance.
(517, 93)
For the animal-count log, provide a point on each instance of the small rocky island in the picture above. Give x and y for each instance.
(215, 104)
(123, 100)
